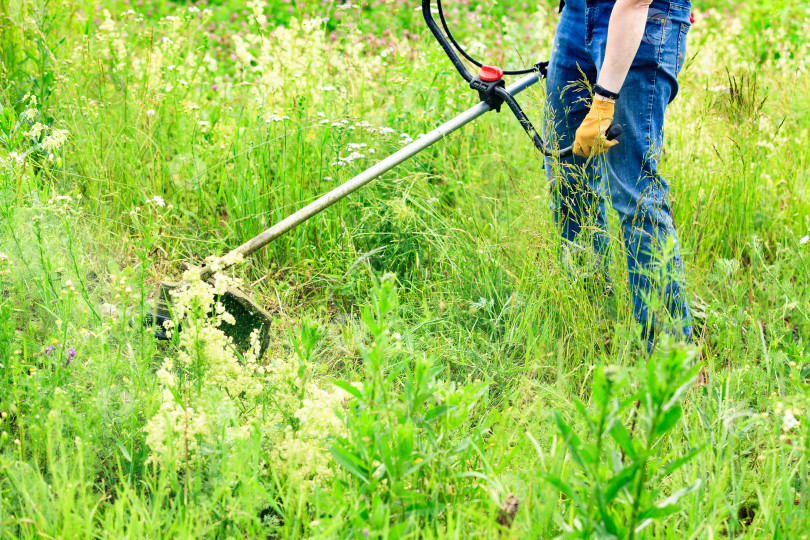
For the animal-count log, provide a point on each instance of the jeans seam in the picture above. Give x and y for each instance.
(681, 59)
(591, 16)
(658, 67)
(650, 105)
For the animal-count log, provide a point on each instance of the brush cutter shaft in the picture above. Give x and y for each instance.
(327, 200)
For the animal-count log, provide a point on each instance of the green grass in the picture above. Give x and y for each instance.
(488, 375)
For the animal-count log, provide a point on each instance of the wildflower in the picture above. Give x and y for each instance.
(804, 240)
(36, 130)
(55, 140)
(276, 118)
(150, 112)
(157, 200)
(789, 421)
(30, 114)
(49, 349)
(348, 159)
(71, 355)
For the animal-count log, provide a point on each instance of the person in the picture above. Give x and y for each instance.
(617, 61)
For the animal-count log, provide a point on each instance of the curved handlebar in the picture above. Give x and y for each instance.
(497, 93)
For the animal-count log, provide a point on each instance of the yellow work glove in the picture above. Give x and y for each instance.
(590, 139)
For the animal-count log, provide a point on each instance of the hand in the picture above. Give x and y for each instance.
(590, 139)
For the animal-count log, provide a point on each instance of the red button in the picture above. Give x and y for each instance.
(490, 73)
(692, 17)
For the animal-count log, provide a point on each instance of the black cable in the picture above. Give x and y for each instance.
(467, 56)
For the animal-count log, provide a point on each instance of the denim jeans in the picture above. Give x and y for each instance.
(627, 174)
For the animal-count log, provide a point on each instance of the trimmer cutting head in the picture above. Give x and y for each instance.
(248, 316)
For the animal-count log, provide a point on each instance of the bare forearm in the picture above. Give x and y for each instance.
(625, 31)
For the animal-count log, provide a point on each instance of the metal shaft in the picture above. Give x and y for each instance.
(350, 186)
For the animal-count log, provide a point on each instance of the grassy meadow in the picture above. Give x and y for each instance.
(433, 369)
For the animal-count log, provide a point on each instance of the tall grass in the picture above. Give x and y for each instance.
(433, 370)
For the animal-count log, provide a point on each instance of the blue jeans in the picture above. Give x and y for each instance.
(627, 173)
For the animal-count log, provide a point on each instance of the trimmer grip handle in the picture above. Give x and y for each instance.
(613, 132)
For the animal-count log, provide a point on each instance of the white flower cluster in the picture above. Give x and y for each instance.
(348, 159)
(257, 7)
(193, 411)
(55, 140)
(176, 431)
(303, 451)
(110, 34)
(40, 137)
(789, 421)
(275, 117)
(311, 24)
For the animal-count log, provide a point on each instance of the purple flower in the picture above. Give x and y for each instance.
(71, 355)
(49, 349)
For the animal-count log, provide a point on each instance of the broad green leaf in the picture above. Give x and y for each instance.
(583, 411)
(124, 452)
(676, 496)
(571, 440)
(618, 482)
(685, 386)
(349, 462)
(669, 420)
(676, 464)
(643, 525)
(604, 512)
(622, 437)
(348, 388)
(561, 486)
(437, 411)
(658, 512)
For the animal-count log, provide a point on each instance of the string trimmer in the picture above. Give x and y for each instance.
(492, 91)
